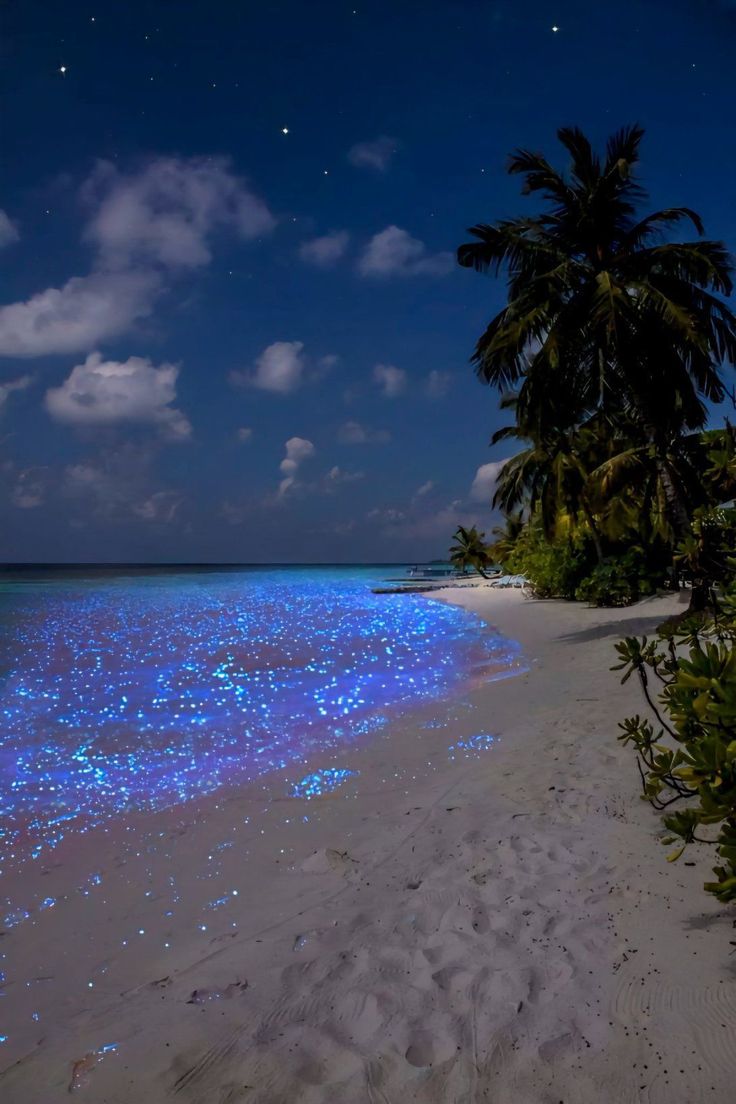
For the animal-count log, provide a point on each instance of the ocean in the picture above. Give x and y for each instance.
(129, 689)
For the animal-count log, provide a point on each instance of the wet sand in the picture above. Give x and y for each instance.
(479, 912)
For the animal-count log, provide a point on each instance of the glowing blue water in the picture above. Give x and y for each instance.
(134, 693)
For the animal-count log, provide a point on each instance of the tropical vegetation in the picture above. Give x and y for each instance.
(610, 345)
(470, 550)
(686, 747)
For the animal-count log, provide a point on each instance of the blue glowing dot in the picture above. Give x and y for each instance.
(471, 744)
(322, 782)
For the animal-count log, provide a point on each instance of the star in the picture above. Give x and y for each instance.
(284, 130)
(555, 29)
(62, 69)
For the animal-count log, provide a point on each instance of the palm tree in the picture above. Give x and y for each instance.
(507, 534)
(469, 550)
(552, 475)
(602, 315)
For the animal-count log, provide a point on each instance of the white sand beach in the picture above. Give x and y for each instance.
(449, 926)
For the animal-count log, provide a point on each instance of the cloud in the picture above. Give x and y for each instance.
(30, 488)
(162, 507)
(324, 366)
(386, 515)
(8, 231)
(144, 227)
(393, 252)
(244, 434)
(437, 384)
(298, 449)
(336, 477)
(282, 368)
(82, 313)
(235, 513)
(353, 433)
(168, 212)
(373, 155)
(118, 485)
(486, 478)
(325, 251)
(425, 488)
(8, 388)
(391, 380)
(82, 478)
(108, 392)
(279, 368)
(437, 524)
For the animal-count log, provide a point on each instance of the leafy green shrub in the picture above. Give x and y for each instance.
(617, 581)
(691, 754)
(704, 557)
(554, 568)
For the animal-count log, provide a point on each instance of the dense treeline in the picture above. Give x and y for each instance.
(609, 349)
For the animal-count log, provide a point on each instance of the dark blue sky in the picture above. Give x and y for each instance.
(220, 341)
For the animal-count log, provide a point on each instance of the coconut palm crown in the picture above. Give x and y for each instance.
(602, 313)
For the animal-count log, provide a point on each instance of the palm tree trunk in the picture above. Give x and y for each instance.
(679, 519)
(677, 511)
(588, 514)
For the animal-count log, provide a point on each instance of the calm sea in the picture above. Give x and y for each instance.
(138, 688)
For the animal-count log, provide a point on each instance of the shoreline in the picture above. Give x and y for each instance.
(500, 925)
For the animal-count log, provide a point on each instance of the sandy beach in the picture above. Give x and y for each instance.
(480, 912)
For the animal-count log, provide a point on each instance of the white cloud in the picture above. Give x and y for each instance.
(438, 383)
(298, 449)
(336, 477)
(167, 213)
(353, 433)
(327, 250)
(373, 155)
(324, 366)
(386, 515)
(235, 513)
(8, 388)
(437, 525)
(244, 434)
(391, 380)
(70, 319)
(279, 368)
(83, 477)
(393, 252)
(425, 488)
(486, 478)
(107, 392)
(162, 506)
(8, 231)
(163, 217)
(119, 484)
(30, 488)
(282, 368)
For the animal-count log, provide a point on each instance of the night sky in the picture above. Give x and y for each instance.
(232, 325)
